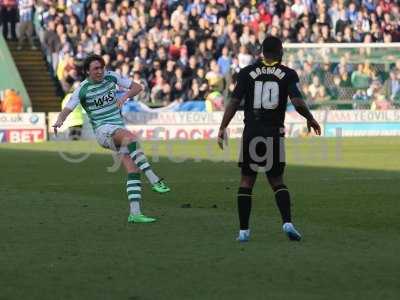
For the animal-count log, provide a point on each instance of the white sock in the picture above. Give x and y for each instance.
(135, 208)
(151, 176)
(246, 231)
(143, 164)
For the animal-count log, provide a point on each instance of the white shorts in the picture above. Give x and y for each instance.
(104, 135)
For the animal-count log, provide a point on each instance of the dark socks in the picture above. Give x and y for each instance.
(282, 198)
(244, 207)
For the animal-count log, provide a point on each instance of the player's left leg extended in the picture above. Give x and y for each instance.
(244, 204)
(134, 191)
(124, 138)
(282, 197)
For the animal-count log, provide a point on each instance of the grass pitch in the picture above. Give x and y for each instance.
(64, 233)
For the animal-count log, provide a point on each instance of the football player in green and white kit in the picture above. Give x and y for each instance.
(97, 95)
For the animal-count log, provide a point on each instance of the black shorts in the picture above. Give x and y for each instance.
(262, 150)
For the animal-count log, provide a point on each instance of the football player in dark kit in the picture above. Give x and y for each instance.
(265, 87)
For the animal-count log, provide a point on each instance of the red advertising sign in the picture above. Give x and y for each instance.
(24, 135)
(22, 128)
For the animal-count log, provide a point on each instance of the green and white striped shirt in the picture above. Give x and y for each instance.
(99, 99)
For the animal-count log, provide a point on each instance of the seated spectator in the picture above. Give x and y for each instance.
(244, 57)
(359, 79)
(313, 88)
(174, 51)
(195, 94)
(161, 93)
(322, 96)
(215, 78)
(298, 8)
(178, 86)
(214, 101)
(345, 80)
(169, 71)
(157, 85)
(224, 62)
(66, 72)
(393, 87)
(253, 46)
(381, 103)
(375, 88)
(210, 14)
(144, 96)
(191, 68)
(360, 100)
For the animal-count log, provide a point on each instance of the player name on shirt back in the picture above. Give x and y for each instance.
(267, 71)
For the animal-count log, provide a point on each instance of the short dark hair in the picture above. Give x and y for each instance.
(272, 47)
(91, 58)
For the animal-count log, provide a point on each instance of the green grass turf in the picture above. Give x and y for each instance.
(64, 233)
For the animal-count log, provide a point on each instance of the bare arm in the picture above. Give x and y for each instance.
(230, 111)
(134, 90)
(61, 118)
(302, 109)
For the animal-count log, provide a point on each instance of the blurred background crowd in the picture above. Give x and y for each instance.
(192, 50)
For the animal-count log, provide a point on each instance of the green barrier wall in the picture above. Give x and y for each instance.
(9, 75)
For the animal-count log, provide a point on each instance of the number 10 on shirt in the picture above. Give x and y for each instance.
(266, 95)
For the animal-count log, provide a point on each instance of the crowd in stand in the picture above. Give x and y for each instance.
(192, 50)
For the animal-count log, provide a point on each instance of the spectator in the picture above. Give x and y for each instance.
(369, 5)
(352, 13)
(12, 102)
(381, 103)
(359, 79)
(25, 23)
(345, 80)
(169, 73)
(79, 10)
(52, 44)
(210, 14)
(342, 22)
(334, 90)
(175, 49)
(191, 42)
(191, 68)
(194, 92)
(66, 70)
(178, 86)
(9, 15)
(157, 83)
(313, 89)
(253, 46)
(374, 88)
(144, 96)
(298, 8)
(214, 102)
(245, 16)
(322, 96)
(244, 57)
(224, 62)
(393, 84)
(215, 78)
(361, 100)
